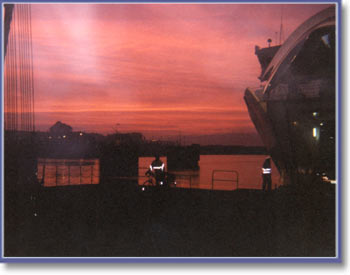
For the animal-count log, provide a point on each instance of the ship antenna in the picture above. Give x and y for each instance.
(281, 27)
(276, 33)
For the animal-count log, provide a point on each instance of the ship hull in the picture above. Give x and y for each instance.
(295, 112)
(301, 144)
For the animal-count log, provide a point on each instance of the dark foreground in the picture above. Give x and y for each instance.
(120, 220)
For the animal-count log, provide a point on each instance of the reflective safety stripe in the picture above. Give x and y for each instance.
(158, 167)
(266, 170)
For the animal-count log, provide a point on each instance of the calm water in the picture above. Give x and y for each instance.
(248, 168)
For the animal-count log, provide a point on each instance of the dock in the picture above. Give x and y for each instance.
(119, 220)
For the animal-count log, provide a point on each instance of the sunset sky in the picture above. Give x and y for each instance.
(159, 69)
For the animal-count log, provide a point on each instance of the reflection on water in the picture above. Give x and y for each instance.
(59, 172)
(227, 170)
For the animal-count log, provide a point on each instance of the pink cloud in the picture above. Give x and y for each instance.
(152, 67)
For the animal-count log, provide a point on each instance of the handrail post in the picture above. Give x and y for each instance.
(68, 174)
(56, 174)
(80, 178)
(43, 175)
(212, 179)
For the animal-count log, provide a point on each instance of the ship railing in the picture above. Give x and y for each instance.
(215, 178)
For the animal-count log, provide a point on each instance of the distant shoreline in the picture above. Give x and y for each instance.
(232, 150)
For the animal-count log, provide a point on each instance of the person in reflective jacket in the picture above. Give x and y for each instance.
(266, 175)
(157, 168)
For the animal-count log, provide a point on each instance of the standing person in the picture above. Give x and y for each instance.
(266, 175)
(157, 168)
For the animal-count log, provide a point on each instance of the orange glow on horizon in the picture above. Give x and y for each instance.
(156, 69)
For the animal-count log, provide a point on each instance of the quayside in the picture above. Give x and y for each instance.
(121, 220)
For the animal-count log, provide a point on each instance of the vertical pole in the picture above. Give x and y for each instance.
(43, 175)
(92, 173)
(68, 174)
(56, 174)
(80, 172)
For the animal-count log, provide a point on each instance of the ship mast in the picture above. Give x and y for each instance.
(281, 27)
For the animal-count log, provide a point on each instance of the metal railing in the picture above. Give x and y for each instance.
(234, 180)
(186, 177)
(142, 168)
(177, 176)
(58, 171)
